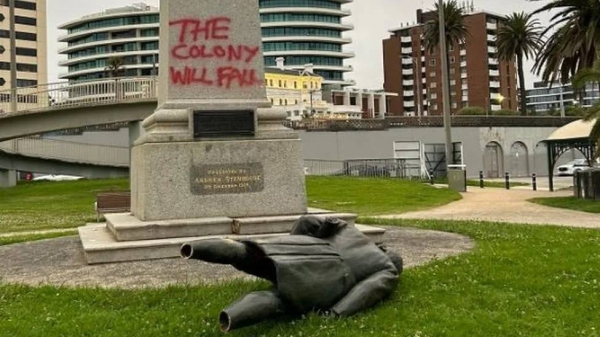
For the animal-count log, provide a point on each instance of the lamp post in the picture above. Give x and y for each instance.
(445, 85)
(13, 57)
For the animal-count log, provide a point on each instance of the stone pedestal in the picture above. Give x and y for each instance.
(217, 178)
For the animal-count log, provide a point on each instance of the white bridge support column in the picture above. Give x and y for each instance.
(8, 178)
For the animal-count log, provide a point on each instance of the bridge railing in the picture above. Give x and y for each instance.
(101, 155)
(80, 93)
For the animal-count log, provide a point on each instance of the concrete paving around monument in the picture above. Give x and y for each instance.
(61, 262)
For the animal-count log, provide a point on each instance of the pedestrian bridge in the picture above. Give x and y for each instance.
(69, 105)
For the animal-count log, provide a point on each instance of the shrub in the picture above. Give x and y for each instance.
(472, 111)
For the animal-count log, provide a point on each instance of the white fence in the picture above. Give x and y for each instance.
(77, 94)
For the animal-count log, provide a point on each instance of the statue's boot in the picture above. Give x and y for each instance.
(251, 309)
(220, 251)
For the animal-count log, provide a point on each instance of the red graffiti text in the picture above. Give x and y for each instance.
(205, 55)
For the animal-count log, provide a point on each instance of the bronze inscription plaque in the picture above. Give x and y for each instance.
(227, 179)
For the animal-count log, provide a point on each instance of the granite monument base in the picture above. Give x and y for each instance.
(124, 238)
(207, 179)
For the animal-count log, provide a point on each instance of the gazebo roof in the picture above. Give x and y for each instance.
(575, 130)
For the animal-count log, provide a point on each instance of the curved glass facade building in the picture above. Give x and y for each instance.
(307, 31)
(301, 31)
(129, 32)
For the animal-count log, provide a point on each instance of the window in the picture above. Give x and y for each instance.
(432, 63)
(23, 20)
(26, 36)
(26, 51)
(432, 74)
(26, 83)
(452, 59)
(280, 84)
(271, 83)
(295, 85)
(454, 105)
(433, 85)
(433, 96)
(434, 107)
(452, 82)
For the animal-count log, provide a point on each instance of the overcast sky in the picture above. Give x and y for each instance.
(371, 18)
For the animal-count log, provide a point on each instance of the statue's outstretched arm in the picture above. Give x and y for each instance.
(368, 292)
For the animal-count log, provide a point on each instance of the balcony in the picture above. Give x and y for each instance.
(495, 96)
(465, 98)
(491, 26)
(463, 64)
(494, 73)
(493, 62)
(464, 86)
(494, 84)
(463, 52)
(491, 37)
(408, 71)
(492, 50)
(407, 50)
(463, 75)
(405, 39)
(407, 60)
(496, 107)
(409, 104)
(408, 83)
(408, 93)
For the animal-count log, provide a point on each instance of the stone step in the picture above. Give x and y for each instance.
(126, 227)
(100, 246)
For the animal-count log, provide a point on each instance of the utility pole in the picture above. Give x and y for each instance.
(445, 85)
(13, 58)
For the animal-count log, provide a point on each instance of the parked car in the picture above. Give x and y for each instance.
(55, 177)
(570, 168)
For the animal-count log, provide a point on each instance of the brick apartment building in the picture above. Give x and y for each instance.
(477, 77)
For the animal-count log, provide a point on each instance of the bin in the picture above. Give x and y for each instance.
(457, 178)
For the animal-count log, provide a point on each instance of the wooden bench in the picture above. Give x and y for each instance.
(112, 202)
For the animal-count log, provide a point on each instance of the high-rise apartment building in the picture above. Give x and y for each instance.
(477, 76)
(24, 56)
(301, 31)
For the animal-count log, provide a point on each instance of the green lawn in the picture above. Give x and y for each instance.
(51, 205)
(573, 203)
(9, 240)
(519, 281)
(374, 196)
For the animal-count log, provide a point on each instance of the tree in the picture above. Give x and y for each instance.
(114, 66)
(519, 36)
(472, 111)
(456, 29)
(572, 45)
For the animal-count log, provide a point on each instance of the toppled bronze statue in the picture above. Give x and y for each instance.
(323, 265)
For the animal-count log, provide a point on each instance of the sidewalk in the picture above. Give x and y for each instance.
(508, 206)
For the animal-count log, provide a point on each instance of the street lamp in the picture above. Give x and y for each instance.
(418, 82)
(445, 85)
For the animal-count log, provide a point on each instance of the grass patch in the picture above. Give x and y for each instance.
(52, 205)
(519, 281)
(374, 196)
(572, 203)
(9, 240)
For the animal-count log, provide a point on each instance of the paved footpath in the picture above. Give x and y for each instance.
(500, 205)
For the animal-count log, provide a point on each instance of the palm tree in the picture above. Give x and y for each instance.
(456, 29)
(572, 45)
(114, 66)
(520, 36)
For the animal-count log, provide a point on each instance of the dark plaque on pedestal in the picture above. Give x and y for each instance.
(223, 123)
